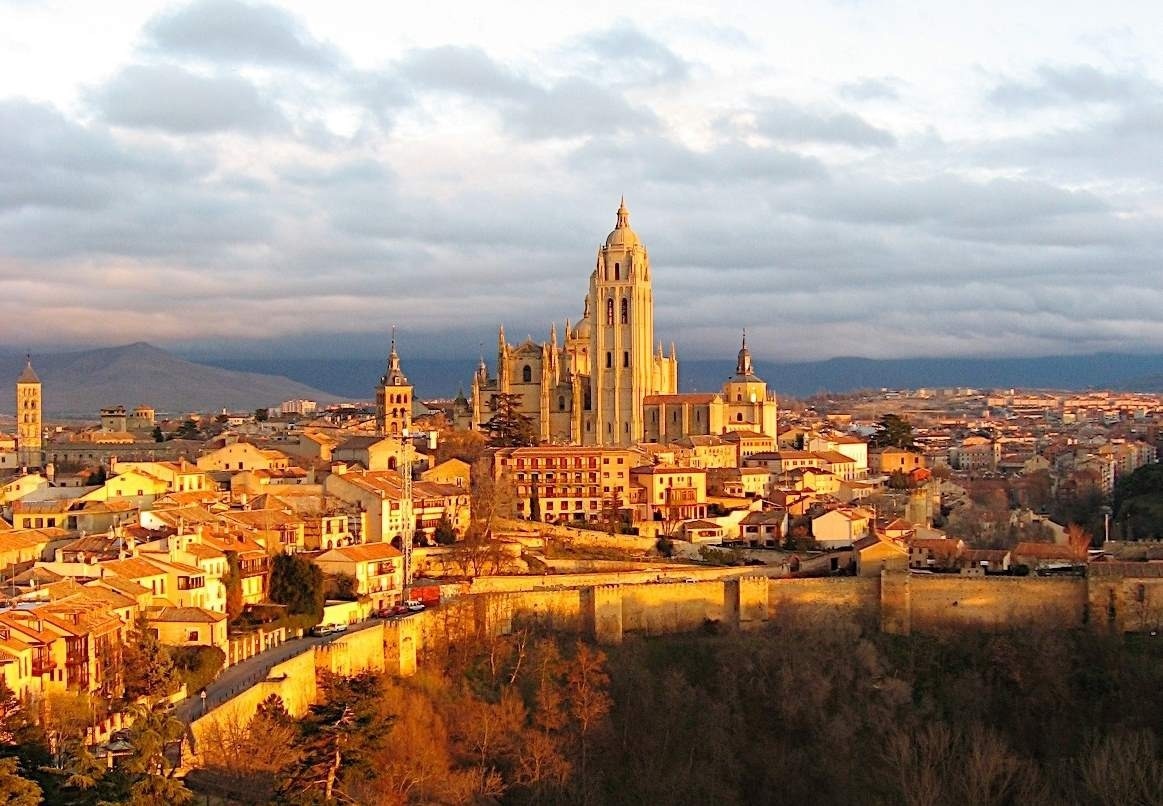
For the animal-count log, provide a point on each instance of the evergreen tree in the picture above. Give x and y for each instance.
(148, 668)
(893, 431)
(297, 583)
(445, 534)
(508, 427)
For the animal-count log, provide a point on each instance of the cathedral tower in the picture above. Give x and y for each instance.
(393, 398)
(29, 423)
(621, 312)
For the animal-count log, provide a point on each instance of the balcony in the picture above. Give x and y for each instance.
(42, 665)
(191, 583)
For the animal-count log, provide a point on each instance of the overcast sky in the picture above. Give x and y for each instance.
(880, 179)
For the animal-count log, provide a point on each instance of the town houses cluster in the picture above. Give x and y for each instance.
(170, 522)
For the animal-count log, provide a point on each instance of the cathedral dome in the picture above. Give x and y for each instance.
(582, 331)
(622, 235)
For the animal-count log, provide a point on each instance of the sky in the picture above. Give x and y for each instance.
(846, 178)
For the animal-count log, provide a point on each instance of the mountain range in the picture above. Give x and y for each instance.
(355, 378)
(79, 384)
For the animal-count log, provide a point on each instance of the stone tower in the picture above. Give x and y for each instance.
(393, 398)
(621, 311)
(29, 423)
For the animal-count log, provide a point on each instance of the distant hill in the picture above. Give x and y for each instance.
(79, 384)
(355, 378)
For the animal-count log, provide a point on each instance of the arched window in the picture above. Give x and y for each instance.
(617, 272)
(626, 358)
(527, 374)
(625, 311)
(739, 417)
(392, 464)
(395, 431)
(609, 360)
(610, 311)
(561, 402)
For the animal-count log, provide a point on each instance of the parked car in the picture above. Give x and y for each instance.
(414, 605)
(341, 627)
(321, 630)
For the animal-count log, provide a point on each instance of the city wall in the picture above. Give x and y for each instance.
(896, 602)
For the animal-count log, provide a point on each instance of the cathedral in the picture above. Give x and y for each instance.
(590, 389)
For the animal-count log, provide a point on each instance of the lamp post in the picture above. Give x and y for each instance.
(424, 438)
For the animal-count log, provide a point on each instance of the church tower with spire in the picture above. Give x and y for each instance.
(621, 309)
(393, 398)
(29, 422)
(589, 388)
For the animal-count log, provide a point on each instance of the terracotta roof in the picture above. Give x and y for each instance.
(1044, 551)
(364, 552)
(186, 615)
(131, 568)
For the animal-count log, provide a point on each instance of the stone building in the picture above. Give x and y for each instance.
(393, 398)
(744, 405)
(29, 418)
(590, 390)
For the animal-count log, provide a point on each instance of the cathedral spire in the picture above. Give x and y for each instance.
(743, 365)
(394, 376)
(623, 215)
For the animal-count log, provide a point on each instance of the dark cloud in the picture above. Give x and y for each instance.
(872, 89)
(173, 99)
(234, 32)
(787, 122)
(48, 160)
(1055, 86)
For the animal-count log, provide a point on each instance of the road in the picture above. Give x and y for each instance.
(241, 676)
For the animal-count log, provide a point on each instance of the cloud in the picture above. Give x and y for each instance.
(172, 99)
(872, 89)
(48, 160)
(574, 106)
(625, 55)
(1078, 84)
(655, 159)
(787, 122)
(234, 32)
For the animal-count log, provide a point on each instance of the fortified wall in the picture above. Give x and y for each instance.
(1113, 599)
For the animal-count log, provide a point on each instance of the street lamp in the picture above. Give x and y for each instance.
(422, 438)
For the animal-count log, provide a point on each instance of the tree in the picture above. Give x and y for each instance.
(16, 790)
(534, 504)
(232, 581)
(490, 498)
(150, 767)
(893, 431)
(460, 444)
(444, 533)
(297, 583)
(187, 430)
(261, 415)
(343, 587)
(157, 434)
(508, 427)
(478, 554)
(148, 668)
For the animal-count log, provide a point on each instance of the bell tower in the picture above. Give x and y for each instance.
(393, 398)
(29, 422)
(621, 313)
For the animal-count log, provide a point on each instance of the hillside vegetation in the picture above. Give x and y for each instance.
(820, 713)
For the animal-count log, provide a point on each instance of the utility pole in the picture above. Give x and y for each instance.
(406, 439)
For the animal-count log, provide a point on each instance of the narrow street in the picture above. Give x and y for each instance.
(242, 676)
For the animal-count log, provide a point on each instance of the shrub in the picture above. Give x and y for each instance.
(197, 666)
